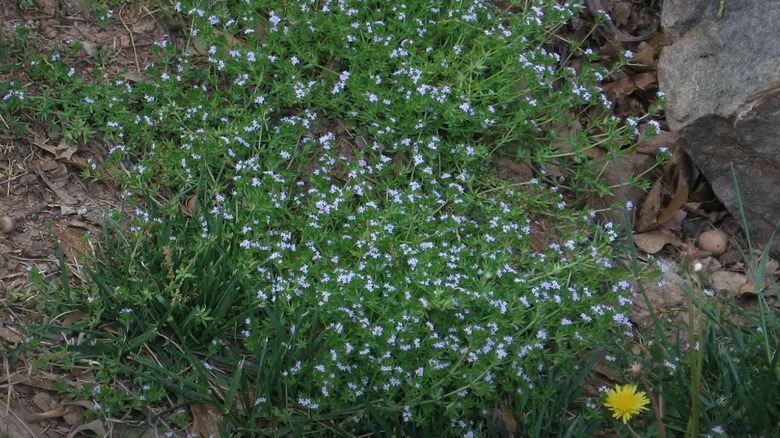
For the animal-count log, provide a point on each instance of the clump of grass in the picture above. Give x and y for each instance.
(723, 379)
(314, 239)
(734, 385)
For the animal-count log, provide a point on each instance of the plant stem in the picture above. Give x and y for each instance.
(657, 408)
(695, 354)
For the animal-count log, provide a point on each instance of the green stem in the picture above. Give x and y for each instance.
(696, 358)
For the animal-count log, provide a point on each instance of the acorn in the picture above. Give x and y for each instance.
(7, 224)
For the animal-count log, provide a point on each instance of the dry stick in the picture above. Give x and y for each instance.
(15, 177)
(132, 41)
(10, 385)
(48, 415)
(4, 122)
(657, 408)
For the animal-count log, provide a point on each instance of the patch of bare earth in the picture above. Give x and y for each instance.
(46, 205)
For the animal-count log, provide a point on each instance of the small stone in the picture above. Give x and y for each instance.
(49, 32)
(44, 401)
(7, 224)
(714, 241)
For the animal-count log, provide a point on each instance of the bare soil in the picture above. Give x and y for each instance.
(53, 211)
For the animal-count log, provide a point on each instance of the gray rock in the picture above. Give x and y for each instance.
(680, 16)
(714, 146)
(718, 64)
(722, 82)
(757, 121)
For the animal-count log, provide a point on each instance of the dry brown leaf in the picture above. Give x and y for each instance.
(619, 12)
(616, 174)
(80, 165)
(49, 164)
(627, 106)
(505, 421)
(12, 422)
(133, 76)
(595, 153)
(659, 41)
(60, 175)
(747, 289)
(675, 223)
(95, 426)
(728, 281)
(650, 208)
(204, 420)
(64, 196)
(83, 375)
(10, 336)
(189, 206)
(609, 51)
(771, 266)
(44, 401)
(73, 242)
(653, 241)
(62, 150)
(644, 55)
(535, 243)
(74, 415)
(651, 146)
(620, 87)
(628, 84)
(33, 381)
(607, 370)
(564, 131)
(678, 200)
(143, 26)
(643, 80)
(516, 171)
(73, 318)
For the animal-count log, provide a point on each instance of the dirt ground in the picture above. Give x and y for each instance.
(41, 188)
(46, 204)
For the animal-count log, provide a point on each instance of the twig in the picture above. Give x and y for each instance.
(657, 405)
(4, 122)
(10, 385)
(13, 178)
(132, 42)
(48, 415)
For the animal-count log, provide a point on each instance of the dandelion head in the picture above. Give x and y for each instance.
(624, 401)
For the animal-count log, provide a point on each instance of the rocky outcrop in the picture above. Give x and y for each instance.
(716, 148)
(722, 82)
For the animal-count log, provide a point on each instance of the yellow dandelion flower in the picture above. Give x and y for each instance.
(624, 402)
